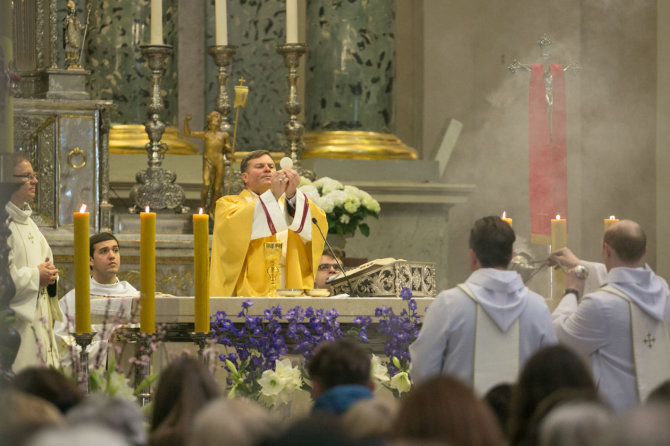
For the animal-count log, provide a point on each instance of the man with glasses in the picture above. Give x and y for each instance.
(328, 268)
(32, 271)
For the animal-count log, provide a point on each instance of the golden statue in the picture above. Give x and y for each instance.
(217, 148)
(72, 40)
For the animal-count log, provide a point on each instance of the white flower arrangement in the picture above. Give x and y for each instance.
(279, 384)
(345, 206)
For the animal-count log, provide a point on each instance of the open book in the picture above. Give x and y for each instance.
(371, 265)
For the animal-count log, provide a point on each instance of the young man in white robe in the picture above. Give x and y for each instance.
(105, 261)
(483, 331)
(623, 326)
(32, 270)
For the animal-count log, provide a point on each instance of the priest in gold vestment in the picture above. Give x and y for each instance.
(270, 209)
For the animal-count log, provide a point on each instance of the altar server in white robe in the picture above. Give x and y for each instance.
(105, 261)
(623, 326)
(485, 329)
(32, 270)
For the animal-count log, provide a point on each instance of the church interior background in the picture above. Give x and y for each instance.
(427, 74)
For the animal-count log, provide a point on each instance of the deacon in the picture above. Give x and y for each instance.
(483, 330)
(105, 261)
(271, 208)
(32, 270)
(623, 326)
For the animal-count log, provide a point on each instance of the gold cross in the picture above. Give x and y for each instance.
(649, 340)
(241, 81)
(30, 237)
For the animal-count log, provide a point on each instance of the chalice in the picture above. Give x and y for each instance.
(272, 252)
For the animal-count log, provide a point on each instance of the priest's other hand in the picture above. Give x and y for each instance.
(293, 181)
(563, 257)
(574, 282)
(48, 273)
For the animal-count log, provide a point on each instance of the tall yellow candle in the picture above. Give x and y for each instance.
(559, 233)
(82, 273)
(148, 272)
(157, 22)
(609, 222)
(201, 271)
(506, 219)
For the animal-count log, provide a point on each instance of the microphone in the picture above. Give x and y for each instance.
(330, 248)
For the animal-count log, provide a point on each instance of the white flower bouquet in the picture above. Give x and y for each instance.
(345, 206)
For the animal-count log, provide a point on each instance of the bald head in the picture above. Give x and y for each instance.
(627, 240)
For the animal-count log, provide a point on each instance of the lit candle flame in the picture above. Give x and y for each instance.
(200, 211)
(558, 216)
(146, 209)
(83, 208)
(504, 215)
(612, 217)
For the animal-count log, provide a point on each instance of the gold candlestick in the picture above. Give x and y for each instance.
(272, 252)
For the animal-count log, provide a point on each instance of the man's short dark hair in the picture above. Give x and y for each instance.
(341, 362)
(244, 165)
(337, 251)
(97, 238)
(492, 240)
(628, 240)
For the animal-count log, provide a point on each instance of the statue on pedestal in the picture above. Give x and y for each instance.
(72, 40)
(217, 148)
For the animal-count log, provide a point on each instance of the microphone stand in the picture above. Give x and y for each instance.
(330, 248)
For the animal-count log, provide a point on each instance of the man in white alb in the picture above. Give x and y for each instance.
(483, 330)
(105, 260)
(622, 326)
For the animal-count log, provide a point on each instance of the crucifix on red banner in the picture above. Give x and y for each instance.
(547, 148)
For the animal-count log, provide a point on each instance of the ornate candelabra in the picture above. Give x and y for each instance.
(155, 187)
(83, 341)
(293, 129)
(223, 58)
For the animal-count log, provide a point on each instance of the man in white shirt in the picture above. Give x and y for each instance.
(623, 326)
(105, 261)
(484, 330)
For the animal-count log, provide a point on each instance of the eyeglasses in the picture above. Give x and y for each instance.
(27, 176)
(327, 266)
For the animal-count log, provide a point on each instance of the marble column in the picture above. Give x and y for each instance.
(350, 75)
(116, 30)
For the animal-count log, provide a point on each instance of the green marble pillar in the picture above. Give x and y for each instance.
(6, 105)
(116, 30)
(350, 65)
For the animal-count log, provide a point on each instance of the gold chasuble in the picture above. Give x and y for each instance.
(243, 223)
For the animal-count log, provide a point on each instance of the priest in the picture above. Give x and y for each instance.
(270, 209)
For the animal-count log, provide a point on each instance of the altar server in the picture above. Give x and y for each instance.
(270, 209)
(483, 330)
(32, 270)
(105, 261)
(623, 326)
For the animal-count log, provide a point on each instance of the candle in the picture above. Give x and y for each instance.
(609, 222)
(82, 273)
(559, 233)
(221, 22)
(506, 219)
(148, 272)
(201, 271)
(156, 22)
(291, 21)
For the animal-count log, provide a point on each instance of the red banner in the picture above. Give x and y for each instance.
(547, 162)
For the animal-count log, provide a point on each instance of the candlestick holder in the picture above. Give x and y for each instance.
(83, 341)
(223, 58)
(201, 339)
(155, 187)
(293, 129)
(143, 371)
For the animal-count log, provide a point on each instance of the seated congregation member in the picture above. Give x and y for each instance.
(50, 385)
(327, 268)
(340, 374)
(549, 371)
(443, 410)
(184, 387)
(23, 416)
(104, 261)
(270, 209)
(484, 330)
(623, 326)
